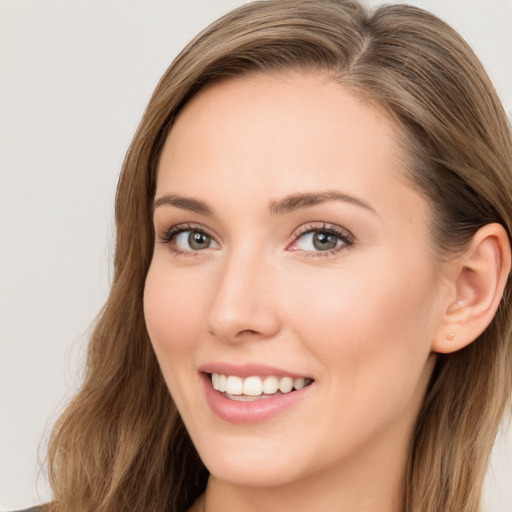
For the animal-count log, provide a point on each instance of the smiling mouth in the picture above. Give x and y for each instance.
(255, 387)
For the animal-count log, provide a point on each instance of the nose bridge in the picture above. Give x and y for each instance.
(241, 303)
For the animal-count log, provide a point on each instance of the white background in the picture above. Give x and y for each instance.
(75, 78)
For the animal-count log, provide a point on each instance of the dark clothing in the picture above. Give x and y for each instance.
(33, 509)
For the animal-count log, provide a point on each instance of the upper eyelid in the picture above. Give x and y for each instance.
(190, 226)
(303, 228)
(326, 226)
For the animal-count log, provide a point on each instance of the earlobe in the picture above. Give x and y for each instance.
(478, 283)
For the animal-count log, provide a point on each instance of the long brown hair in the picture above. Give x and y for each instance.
(121, 445)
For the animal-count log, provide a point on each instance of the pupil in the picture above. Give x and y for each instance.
(198, 241)
(324, 241)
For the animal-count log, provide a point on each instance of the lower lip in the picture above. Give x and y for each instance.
(253, 411)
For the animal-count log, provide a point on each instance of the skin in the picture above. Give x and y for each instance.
(360, 321)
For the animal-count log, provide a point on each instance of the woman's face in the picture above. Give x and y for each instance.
(291, 250)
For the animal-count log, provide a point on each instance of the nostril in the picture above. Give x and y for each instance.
(247, 332)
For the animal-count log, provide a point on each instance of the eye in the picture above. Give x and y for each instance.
(318, 241)
(192, 240)
(185, 239)
(321, 240)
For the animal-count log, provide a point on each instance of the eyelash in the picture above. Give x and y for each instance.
(343, 235)
(171, 234)
(346, 238)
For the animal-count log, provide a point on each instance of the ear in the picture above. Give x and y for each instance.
(476, 284)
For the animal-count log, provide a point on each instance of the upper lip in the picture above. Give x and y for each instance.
(248, 370)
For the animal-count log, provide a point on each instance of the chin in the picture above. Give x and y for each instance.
(252, 463)
(253, 474)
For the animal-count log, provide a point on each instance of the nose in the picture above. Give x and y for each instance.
(243, 304)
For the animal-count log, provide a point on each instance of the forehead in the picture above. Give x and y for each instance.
(281, 135)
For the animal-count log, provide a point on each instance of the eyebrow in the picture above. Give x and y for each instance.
(184, 203)
(288, 204)
(297, 201)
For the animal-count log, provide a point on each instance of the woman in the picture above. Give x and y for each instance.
(311, 306)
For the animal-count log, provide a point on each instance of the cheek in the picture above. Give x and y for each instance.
(368, 320)
(172, 308)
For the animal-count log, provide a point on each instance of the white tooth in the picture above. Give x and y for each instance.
(234, 385)
(270, 385)
(215, 381)
(222, 383)
(286, 384)
(299, 383)
(253, 386)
